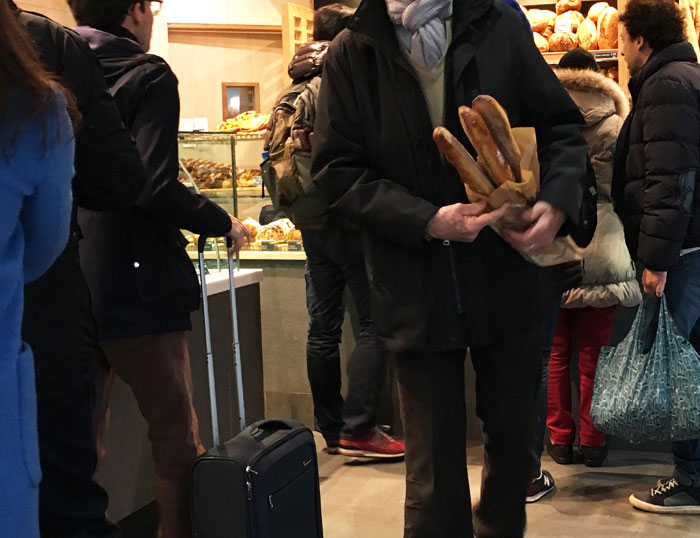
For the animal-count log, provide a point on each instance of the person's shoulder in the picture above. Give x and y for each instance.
(673, 78)
(511, 15)
(156, 69)
(36, 140)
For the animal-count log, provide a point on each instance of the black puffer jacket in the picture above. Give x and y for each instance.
(658, 157)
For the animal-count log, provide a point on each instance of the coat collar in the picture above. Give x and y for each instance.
(372, 20)
(679, 52)
(585, 80)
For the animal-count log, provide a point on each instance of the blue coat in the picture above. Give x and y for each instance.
(36, 169)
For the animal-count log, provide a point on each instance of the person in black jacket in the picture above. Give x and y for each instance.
(441, 281)
(334, 260)
(142, 281)
(654, 189)
(58, 322)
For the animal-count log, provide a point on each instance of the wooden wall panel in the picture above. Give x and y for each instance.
(297, 29)
(202, 61)
(58, 10)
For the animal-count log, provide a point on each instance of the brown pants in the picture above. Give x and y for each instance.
(157, 368)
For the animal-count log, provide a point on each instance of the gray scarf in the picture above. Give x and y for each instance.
(420, 28)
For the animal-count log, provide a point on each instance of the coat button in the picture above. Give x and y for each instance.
(137, 265)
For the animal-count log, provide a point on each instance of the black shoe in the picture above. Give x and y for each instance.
(669, 497)
(539, 487)
(594, 456)
(562, 454)
(332, 445)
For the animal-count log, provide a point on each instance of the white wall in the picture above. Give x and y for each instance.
(58, 10)
(229, 12)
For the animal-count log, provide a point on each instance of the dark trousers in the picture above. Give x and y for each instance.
(71, 503)
(432, 395)
(683, 298)
(331, 265)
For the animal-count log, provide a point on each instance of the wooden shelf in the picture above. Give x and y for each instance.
(602, 56)
(192, 28)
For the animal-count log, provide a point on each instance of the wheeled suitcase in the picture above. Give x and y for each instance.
(264, 482)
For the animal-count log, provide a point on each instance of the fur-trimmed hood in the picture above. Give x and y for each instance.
(605, 95)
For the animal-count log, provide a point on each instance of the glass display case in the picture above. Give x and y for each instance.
(211, 164)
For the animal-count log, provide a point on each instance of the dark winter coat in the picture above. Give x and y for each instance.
(58, 322)
(375, 160)
(142, 280)
(658, 158)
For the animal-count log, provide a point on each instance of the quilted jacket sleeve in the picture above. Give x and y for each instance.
(671, 131)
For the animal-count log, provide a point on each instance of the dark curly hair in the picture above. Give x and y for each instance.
(330, 20)
(659, 22)
(102, 14)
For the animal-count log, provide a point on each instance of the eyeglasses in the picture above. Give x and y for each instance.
(156, 6)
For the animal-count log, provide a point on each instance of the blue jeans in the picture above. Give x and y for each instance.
(332, 263)
(540, 416)
(683, 298)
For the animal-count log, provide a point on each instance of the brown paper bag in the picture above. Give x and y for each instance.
(522, 195)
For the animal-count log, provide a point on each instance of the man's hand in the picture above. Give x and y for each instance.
(544, 222)
(462, 222)
(239, 235)
(654, 282)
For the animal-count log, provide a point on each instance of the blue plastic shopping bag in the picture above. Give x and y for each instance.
(649, 395)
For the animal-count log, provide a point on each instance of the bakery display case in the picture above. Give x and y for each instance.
(566, 24)
(211, 164)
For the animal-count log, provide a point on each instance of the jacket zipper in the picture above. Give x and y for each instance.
(249, 468)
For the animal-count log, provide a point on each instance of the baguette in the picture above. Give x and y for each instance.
(498, 124)
(471, 173)
(484, 144)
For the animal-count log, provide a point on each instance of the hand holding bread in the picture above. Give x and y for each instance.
(463, 222)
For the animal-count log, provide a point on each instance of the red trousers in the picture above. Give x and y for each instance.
(591, 328)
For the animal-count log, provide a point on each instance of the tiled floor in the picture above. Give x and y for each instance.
(365, 500)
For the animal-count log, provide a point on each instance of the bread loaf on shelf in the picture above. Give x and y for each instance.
(541, 20)
(562, 42)
(563, 6)
(607, 29)
(613, 73)
(569, 21)
(541, 42)
(587, 35)
(253, 227)
(596, 10)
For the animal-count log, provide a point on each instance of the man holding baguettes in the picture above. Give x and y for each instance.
(442, 282)
(655, 193)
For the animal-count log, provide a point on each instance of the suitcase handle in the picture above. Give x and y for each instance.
(263, 427)
(202, 243)
(238, 373)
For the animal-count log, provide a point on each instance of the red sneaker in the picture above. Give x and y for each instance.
(376, 444)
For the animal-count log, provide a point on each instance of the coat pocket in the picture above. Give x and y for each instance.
(22, 412)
